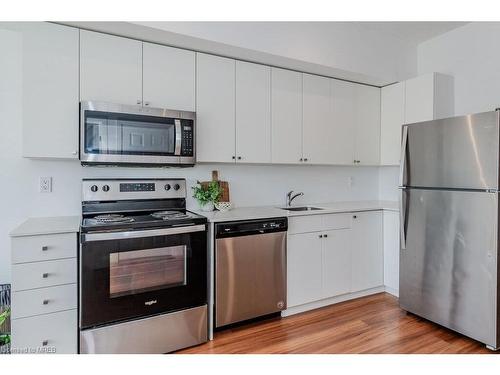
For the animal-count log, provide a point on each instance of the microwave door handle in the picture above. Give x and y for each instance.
(178, 137)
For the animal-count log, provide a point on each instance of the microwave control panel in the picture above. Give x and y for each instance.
(187, 138)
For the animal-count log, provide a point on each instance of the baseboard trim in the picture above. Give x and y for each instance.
(394, 292)
(330, 301)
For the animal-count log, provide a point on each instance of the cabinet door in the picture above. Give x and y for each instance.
(367, 251)
(286, 116)
(367, 112)
(168, 77)
(215, 101)
(317, 129)
(392, 117)
(304, 268)
(253, 113)
(336, 262)
(342, 131)
(391, 251)
(50, 91)
(419, 99)
(110, 68)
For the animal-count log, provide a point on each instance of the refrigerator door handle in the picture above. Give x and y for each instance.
(402, 165)
(402, 218)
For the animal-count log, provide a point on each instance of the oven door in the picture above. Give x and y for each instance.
(125, 275)
(112, 134)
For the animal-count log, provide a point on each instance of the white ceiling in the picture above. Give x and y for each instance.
(414, 32)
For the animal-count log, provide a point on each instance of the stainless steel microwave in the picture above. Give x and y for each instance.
(115, 134)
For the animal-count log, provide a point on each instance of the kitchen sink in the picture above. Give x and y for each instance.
(305, 208)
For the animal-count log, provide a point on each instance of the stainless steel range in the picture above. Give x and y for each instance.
(142, 267)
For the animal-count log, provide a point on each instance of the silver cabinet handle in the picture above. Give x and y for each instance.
(306, 159)
(320, 236)
(45, 342)
(45, 302)
(239, 157)
(147, 103)
(354, 217)
(301, 159)
(139, 101)
(325, 235)
(233, 157)
(45, 248)
(45, 275)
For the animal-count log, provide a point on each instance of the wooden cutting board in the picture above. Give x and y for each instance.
(224, 185)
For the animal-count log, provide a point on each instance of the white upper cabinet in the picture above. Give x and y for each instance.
(215, 108)
(428, 97)
(286, 116)
(392, 117)
(317, 128)
(168, 77)
(367, 125)
(253, 113)
(110, 68)
(341, 132)
(50, 90)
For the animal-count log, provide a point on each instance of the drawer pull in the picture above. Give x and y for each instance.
(45, 302)
(45, 248)
(45, 342)
(45, 275)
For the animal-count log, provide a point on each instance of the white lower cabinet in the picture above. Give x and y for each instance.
(367, 250)
(336, 267)
(304, 260)
(46, 334)
(391, 252)
(44, 294)
(339, 254)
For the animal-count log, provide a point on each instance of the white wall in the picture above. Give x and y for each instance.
(471, 55)
(350, 46)
(249, 185)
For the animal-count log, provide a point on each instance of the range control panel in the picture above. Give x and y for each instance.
(129, 189)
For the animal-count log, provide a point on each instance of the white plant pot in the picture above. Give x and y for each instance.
(207, 207)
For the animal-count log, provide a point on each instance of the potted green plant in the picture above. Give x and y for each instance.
(207, 194)
(4, 337)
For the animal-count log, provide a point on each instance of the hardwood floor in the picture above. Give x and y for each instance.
(373, 324)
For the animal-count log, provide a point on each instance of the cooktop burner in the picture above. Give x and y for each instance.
(112, 218)
(168, 215)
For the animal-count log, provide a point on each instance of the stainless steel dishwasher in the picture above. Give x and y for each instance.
(250, 269)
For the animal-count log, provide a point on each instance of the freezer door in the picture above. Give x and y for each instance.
(448, 268)
(459, 152)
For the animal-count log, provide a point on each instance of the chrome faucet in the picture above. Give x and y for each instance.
(290, 197)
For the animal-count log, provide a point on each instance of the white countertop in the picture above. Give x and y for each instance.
(47, 225)
(249, 213)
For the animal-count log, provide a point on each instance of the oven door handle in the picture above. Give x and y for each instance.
(89, 237)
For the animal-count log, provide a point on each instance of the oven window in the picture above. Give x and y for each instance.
(140, 271)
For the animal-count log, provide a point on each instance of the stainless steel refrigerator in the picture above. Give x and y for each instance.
(449, 224)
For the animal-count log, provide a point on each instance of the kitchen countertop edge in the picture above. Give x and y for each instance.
(36, 226)
(263, 212)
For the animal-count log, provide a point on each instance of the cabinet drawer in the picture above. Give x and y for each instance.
(304, 224)
(44, 247)
(337, 221)
(43, 274)
(51, 333)
(43, 301)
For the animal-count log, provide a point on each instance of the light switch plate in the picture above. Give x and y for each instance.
(45, 184)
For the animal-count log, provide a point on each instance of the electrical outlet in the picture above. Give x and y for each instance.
(45, 184)
(350, 181)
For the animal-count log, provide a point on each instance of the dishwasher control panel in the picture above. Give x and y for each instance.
(249, 227)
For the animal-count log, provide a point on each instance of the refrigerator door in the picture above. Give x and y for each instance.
(458, 152)
(448, 268)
